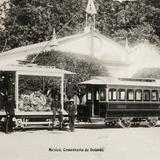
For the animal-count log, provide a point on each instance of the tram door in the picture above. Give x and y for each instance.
(96, 93)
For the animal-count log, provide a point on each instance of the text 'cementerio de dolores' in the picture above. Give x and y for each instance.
(77, 149)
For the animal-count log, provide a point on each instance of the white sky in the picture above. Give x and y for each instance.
(144, 56)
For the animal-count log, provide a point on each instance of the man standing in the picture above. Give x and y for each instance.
(56, 108)
(71, 114)
(10, 113)
(7, 93)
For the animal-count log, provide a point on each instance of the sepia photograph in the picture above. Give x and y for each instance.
(79, 79)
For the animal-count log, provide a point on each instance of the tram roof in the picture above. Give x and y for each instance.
(33, 69)
(123, 81)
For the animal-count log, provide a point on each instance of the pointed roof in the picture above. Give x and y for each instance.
(104, 48)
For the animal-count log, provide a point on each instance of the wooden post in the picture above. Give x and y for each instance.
(62, 91)
(16, 90)
(92, 96)
(92, 45)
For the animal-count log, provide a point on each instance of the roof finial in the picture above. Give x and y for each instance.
(54, 41)
(54, 34)
(90, 15)
(91, 9)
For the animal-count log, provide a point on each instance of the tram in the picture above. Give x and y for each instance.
(29, 86)
(127, 101)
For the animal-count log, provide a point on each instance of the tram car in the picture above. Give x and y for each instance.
(29, 86)
(127, 101)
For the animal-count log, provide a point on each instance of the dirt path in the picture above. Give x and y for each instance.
(85, 143)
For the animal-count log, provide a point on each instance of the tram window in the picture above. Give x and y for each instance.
(138, 95)
(83, 100)
(130, 94)
(112, 95)
(97, 95)
(146, 95)
(89, 95)
(102, 94)
(154, 95)
(121, 94)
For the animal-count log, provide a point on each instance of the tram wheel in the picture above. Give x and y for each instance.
(110, 124)
(136, 124)
(125, 122)
(152, 122)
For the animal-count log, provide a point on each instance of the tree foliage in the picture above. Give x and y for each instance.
(32, 21)
(85, 67)
(148, 73)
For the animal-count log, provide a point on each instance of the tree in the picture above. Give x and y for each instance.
(3, 10)
(28, 22)
(85, 67)
(135, 23)
(33, 21)
(138, 34)
(148, 73)
(155, 3)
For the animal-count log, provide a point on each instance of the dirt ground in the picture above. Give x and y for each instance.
(86, 143)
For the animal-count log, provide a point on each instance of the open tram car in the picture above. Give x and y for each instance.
(128, 101)
(27, 84)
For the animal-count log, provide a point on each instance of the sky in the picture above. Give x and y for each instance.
(144, 55)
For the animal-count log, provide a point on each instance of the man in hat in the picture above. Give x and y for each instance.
(56, 108)
(7, 93)
(71, 109)
(10, 113)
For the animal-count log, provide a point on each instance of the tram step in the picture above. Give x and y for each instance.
(97, 120)
(36, 123)
(37, 127)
